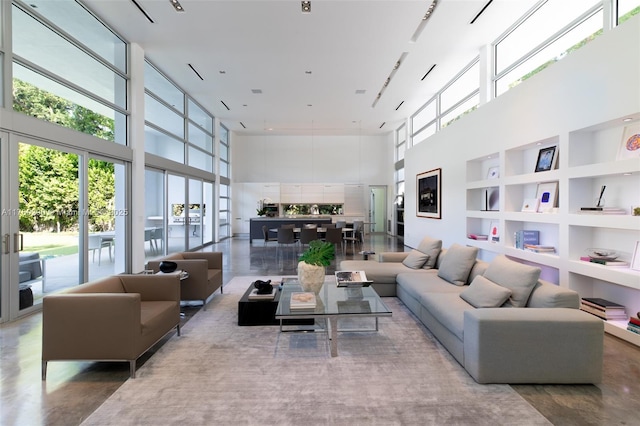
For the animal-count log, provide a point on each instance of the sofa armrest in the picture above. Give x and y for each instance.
(91, 325)
(152, 287)
(213, 258)
(392, 256)
(533, 345)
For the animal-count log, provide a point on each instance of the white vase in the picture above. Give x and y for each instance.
(311, 277)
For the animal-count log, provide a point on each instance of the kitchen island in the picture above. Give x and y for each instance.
(255, 224)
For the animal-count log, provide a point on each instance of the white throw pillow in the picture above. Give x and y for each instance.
(518, 278)
(483, 293)
(457, 263)
(415, 259)
(431, 248)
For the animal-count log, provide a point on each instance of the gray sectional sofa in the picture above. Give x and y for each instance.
(499, 320)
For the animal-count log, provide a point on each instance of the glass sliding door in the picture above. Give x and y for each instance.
(106, 218)
(49, 221)
(177, 217)
(194, 214)
(207, 213)
(155, 222)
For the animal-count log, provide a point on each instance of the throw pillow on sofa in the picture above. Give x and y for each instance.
(431, 248)
(415, 259)
(457, 263)
(518, 278)
(483, 293)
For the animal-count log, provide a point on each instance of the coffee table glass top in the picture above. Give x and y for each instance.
(333, 300)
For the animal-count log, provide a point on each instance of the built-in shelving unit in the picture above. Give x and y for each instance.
(588, 160)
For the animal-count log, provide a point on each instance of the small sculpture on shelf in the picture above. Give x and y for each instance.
(264, 287)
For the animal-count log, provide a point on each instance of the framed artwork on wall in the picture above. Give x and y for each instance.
(547, 158)
(547, 195)
(429, 200)
(630, 144)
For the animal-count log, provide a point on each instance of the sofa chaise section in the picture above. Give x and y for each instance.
(117, 318)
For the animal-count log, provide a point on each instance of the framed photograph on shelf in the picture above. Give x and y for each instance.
(530, 205)
(494, 172)
(492, 199)
(630, 143)
(547, 196)
(635, 260)
(429, 185)
(494, 231)
(547, 158)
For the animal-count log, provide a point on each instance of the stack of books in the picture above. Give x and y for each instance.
(606, 262)
(479, 237)
(302, 300)
(602, 210)
(539, 248)
(526, 237)
(603, 308)
(634, 325)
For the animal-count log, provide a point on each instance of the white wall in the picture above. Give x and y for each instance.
(311, 159)
(597, 83)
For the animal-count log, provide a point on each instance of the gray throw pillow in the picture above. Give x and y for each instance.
(431, 248)
(415, 259)
(518, 278)
(457, 263)
(483, 293)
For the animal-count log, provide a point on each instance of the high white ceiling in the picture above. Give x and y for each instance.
(347, 45)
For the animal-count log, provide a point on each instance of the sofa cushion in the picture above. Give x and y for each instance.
(415, 259)
(457, 264)
(415, 283)
(430, 247)
(483, 293)
(519, 278)
(448, 309)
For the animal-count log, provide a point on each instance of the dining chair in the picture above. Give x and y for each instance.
(341, 223)
(286, 238)
(334, 235)
(98, 242)
(356, 236)
(265, 235)
(328, 225)
(307, 235)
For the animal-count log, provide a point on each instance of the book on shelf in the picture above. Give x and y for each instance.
(610, 262)
(633, 328)
(539, 248)
(526, 237)
(352, 278)
(254, 295)
(479, 237)
(302, 300)
(602, 210)
(604, 303)
(635, 321)
(605, 315)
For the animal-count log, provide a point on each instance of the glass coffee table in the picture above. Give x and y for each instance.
(333, 303)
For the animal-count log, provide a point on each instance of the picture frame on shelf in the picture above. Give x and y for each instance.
(530, 205)
(547, 196)
(429, 198)
(547, 158)
(494, 172)
(630, 143)
(492, 199)
(494, 231)
(635, 259)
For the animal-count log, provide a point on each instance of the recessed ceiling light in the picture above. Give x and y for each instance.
(176, 5)
(306, 6)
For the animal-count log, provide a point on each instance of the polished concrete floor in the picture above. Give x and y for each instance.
(73, 390)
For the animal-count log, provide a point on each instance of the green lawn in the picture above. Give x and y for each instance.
(51, 244)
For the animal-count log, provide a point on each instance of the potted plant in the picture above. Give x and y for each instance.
(313, 263)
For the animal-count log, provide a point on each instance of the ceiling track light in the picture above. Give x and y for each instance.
(243, 126)
(225, 105)
(176, 5)
(475, 18)
(428, 72)
(423, 22)
(305, 6)
(196, 72)
(388, 80)
(146, 15)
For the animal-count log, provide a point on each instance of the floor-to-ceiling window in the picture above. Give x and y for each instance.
(224, 176)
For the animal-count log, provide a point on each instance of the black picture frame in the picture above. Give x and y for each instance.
(546, 159)
(429, 190)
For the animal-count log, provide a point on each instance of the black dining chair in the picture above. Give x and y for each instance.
(307, 235)
(265, 235)
(334, 235)
(286, 237)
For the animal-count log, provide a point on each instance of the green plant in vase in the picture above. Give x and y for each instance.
(312, 264)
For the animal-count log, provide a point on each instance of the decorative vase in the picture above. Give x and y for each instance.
(311, 277)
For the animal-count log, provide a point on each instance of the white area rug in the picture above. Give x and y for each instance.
(218, 373)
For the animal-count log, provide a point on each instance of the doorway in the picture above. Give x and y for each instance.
(377, 209)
